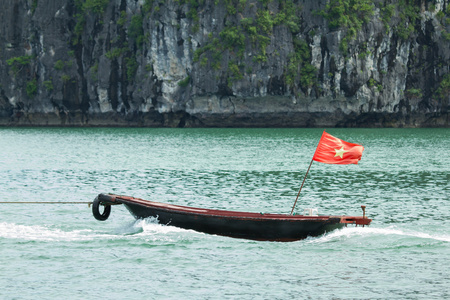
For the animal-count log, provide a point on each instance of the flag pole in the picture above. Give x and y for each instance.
(306, 174)
(301, 186)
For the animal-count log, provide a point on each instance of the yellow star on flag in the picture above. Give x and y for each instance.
(340, 152)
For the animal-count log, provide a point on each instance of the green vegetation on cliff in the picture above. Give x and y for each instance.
(300, 68)
(31, 88)
(253, 33)
(18, 63)
(349, 15)
(85, 7)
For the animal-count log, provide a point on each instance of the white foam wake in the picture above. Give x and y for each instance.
(42, 233)
(137, 229)
(151, 226)
(351, 232)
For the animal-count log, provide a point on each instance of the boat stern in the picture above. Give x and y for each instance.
(355, 220)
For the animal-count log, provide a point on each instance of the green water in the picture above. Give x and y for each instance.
(60, 251)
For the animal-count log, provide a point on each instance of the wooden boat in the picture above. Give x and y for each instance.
(246, 225)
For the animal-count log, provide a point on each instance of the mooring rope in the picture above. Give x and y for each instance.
(46, 202)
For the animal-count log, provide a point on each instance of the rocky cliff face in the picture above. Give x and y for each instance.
(225, 63)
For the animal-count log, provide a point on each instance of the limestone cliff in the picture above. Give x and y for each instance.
(225, 63)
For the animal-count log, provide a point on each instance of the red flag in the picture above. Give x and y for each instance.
(332, 150)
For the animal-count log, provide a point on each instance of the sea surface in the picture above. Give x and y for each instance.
(59, 251)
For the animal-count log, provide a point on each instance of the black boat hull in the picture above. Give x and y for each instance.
(254, 229)
(246, 225)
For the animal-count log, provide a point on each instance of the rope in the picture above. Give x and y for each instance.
(46, 202)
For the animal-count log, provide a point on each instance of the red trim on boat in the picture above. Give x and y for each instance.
(119, 199)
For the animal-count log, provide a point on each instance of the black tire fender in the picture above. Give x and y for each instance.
(96, 210)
